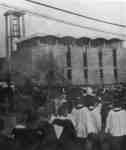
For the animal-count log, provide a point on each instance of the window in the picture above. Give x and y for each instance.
(68, 56)
(85, 58)
(15, 30)
(116, 74)
(85, 64)
(68, 63)
(115, 71)
(101, 75)
(114, 58)
(16, 26)
(100, 58)
(69, 74)
(86, 75)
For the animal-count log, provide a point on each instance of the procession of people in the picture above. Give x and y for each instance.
(92, 117)
(93, 120)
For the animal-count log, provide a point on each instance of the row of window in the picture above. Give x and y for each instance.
(101, 72)
(85, 64)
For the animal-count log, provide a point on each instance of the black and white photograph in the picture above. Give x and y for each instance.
(62, 74)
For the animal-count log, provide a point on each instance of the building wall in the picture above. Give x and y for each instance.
(25, 61)
(121, 64)
(38, 48)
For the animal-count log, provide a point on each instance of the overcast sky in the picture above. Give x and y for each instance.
(108, 10)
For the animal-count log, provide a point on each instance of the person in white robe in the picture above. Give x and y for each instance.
(116, 122)
(80, 121)
(116, 126)
(93, 115)
(96, 120)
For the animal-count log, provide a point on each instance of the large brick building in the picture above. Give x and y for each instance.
(83, 60)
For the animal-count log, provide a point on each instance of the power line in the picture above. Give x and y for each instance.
(63, 21)
(76, 14)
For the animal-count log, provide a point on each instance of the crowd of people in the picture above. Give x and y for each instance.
(95, 120)
(94, 114)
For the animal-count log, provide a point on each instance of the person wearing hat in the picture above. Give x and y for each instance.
(92, 102)
(92, 116)
(79, 121)
(83, 95)
(90, 97)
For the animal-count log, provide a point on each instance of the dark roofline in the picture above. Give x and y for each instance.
(69, 39)
(12, 12)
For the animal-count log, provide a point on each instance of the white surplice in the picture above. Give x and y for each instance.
(80, 121)
(96, 118)
(116, 122)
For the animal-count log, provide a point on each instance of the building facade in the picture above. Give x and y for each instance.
(82, 61)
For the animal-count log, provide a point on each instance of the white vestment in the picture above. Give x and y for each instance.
(92, 122)
(116, 123)
(73, 117)
(20, 126)
(80, 121)
(96, 119)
